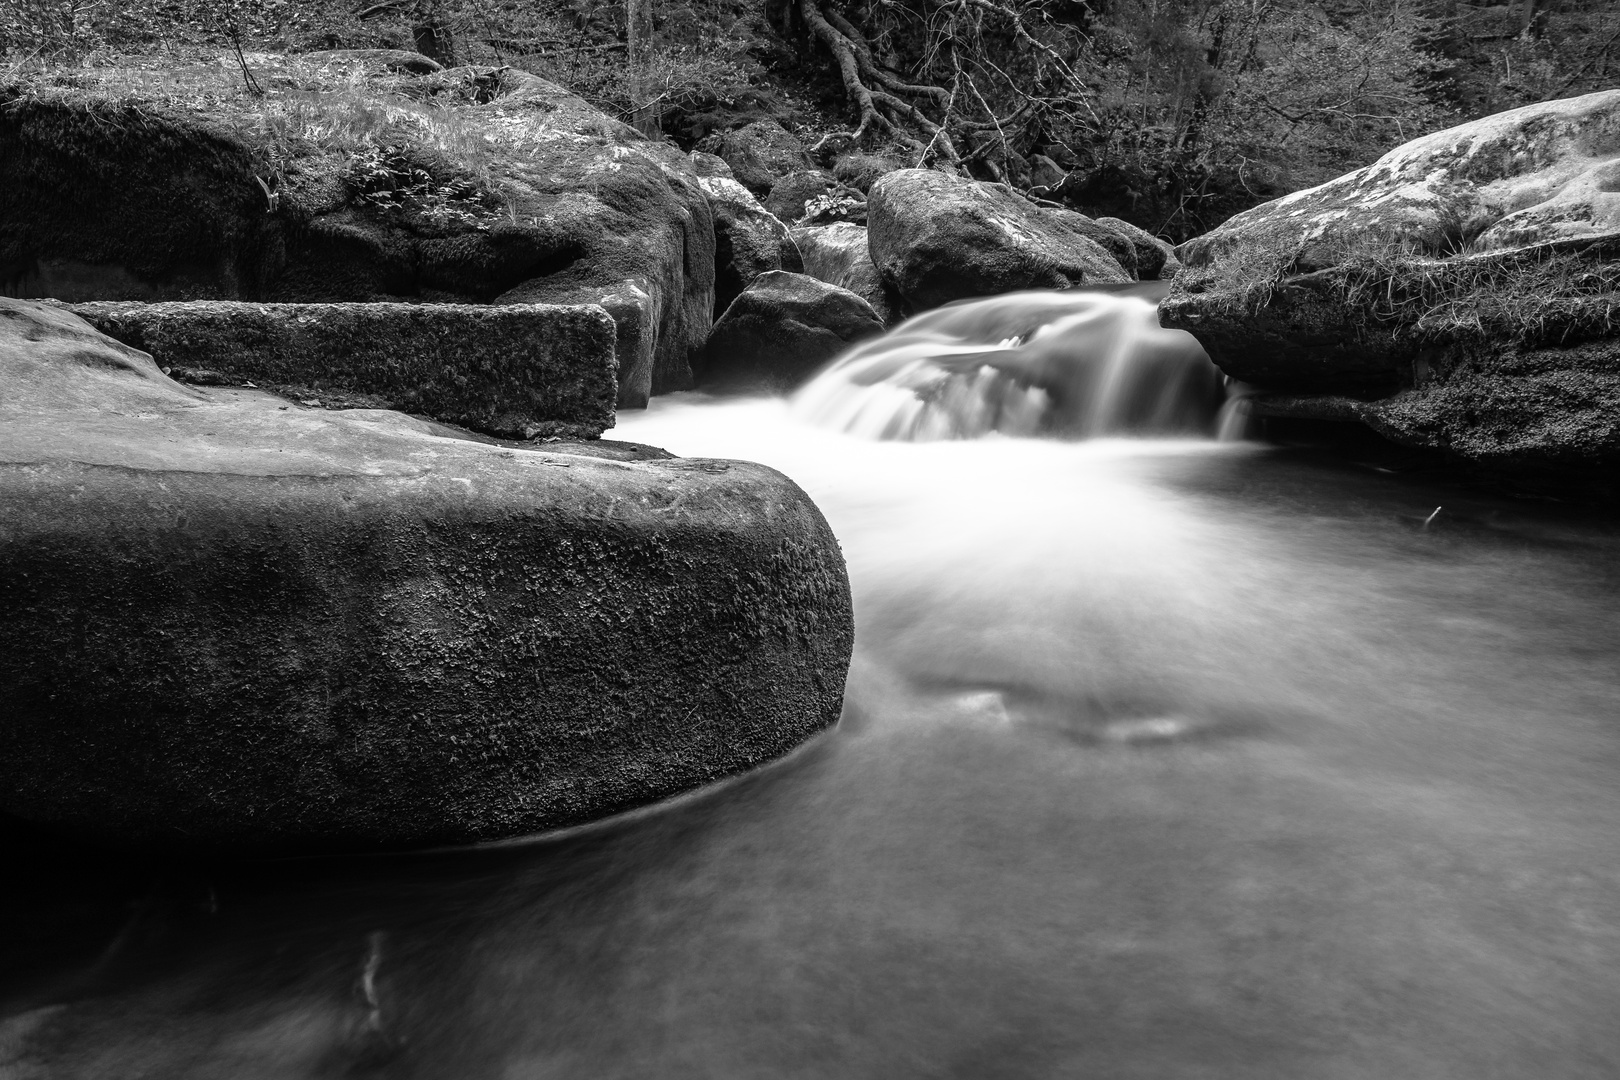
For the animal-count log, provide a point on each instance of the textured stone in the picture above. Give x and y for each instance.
(838, 255)
(235, 624)
(758, 154)
(748, 240)
(781, 329)
(517, 371)
(110, 196)
(936, 238)
(1457, 294)
(1540, 173)
(1155, 259)
(789, 195)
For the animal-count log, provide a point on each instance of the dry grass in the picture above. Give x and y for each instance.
(1553, 293)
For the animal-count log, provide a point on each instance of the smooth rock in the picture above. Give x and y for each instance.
(936, 238)
(838, 255)
(521, 371)
(780, 330)
(748, 240)
(237, 625)
(110, 196)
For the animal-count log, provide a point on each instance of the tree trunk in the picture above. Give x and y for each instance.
(638, 44)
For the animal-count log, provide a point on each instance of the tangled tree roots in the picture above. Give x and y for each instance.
(963, 83)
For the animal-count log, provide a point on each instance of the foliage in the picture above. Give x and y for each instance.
(1208, 106)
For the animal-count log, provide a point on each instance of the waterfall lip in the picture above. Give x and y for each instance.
(1079, 362)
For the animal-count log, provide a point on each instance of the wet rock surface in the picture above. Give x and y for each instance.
(780, 330)
(516, 371)
(235, 624)
(936, 238)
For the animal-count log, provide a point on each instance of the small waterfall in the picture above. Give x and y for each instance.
(1077, 364)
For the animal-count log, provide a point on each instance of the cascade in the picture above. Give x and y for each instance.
(1079, 363)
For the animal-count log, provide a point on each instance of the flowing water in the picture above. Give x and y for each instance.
(1162, 758)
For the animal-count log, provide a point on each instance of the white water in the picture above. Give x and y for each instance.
(1162, 759)
(1078, 364)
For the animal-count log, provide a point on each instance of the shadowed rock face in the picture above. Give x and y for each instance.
(781, 329)
(236, 624)
(748, 239)
(936, 238)
(758, 154)
(517, 371)
(487, 186)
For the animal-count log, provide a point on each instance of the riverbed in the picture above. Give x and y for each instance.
(1160, 758)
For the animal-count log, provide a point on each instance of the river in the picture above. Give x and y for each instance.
(1161, 758)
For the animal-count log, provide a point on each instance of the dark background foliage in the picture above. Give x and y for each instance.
(1173, 114)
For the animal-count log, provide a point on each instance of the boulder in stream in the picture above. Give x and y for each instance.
(936, 238)
(1457, 294)
(781, 329)
(238, 625)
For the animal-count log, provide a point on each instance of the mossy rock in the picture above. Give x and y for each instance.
(349, 181)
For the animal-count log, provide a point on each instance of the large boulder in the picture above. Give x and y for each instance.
(780, 330)
(838, 255)
(1456, 294)
(759, 154)
(517, 371)
(349, 181)
(236, 624)
(1527, 176)
(748, 240)
(937, 238)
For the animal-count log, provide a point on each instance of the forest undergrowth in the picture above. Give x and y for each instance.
(1172, 114)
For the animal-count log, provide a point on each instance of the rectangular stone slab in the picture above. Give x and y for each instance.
(517, 371)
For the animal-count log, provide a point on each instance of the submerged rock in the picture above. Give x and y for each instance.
(234, 624)
(838, 255)
(1457, 294)
(781, 329)
(748, 240)
(517, 371)
(936, 238)
(471, 185)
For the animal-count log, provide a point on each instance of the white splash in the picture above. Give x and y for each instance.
(1077, 363)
